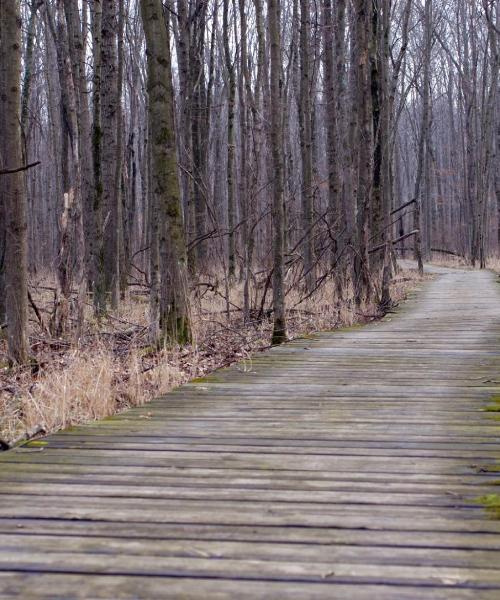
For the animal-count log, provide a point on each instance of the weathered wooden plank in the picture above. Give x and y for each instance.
(29, 585)
(255, 569)
(255, 550)
(311, 536)
(145, 483)
(442, 497)
(351, 517)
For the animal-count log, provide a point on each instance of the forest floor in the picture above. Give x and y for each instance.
(113, 367)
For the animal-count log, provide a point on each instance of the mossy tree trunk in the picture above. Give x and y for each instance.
(174, 322)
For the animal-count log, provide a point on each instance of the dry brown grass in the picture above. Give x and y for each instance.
(113, 367)
(454, 262)
(493, 263)
(458, 262)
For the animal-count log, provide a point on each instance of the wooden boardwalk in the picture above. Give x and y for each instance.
(343, 466)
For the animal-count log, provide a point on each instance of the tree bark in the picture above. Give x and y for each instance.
(97, 239)
(174, 321)
(276, 108)
(305, 119)
(364, 145)
(12, 191)
(109, 108)
(231, 95)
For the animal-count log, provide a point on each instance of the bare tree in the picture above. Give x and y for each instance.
(12, 189)
(305, 116)
(174, 322)
(109, 148)
(273, 16)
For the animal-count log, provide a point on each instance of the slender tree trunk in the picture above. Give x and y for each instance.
(71, 258)
(382, 173)
(28, 69)
(231, 95)
(109, 109)
(245, 102)
(279, 330)
(183, 45)
(97, 239)
(118, 196)
(423, 137)
(76, 35)
(305, 118)
(199, 129)
(330, 92)
(364, 144)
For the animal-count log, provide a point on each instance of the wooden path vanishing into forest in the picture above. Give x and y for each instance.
(344, 466)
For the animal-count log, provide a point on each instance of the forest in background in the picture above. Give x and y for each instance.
(183, 182)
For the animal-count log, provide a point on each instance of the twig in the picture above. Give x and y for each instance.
(37, 312)
(441, 251)
(19, 169)
(403, 206)
(399, 239)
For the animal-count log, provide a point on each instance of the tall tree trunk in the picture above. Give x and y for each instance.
(12, 191)
(174, 321)
(183, 45)
(382, 174)
(28, 69)
(200, 128)
(97, 238)
(71, 243)
(76, 35)
(109, 108)
(276, 108)
(305, 119)
(330, 93)
(121, 281)
(231, 95)
(245, 103)
(423, 137)
(364, 145)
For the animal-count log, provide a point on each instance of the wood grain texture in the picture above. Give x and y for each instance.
(347, 465)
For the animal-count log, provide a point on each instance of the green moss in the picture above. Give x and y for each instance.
(495, 404)
(492, 504)
(208, 379)
(103, 421)
(36, 444)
